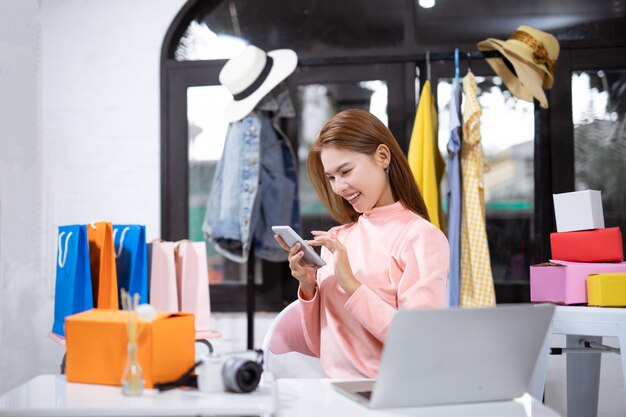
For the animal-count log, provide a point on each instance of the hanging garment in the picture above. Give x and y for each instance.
(233, 193)
(454, 194)
(253, 189)
(278, 102)
(279, 105)
(424, 158)
(476, 279)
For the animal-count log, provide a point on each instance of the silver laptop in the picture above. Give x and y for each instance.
(456, 355)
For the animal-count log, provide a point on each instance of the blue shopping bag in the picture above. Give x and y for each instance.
(131, 260)
(73, 292)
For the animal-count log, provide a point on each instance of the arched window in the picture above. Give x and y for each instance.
(363, 53)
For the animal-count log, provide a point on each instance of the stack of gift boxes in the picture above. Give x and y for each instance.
(587, 259)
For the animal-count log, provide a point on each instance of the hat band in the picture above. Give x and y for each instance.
(540, 54)
(269, 62)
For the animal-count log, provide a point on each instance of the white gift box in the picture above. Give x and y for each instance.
(578, 210)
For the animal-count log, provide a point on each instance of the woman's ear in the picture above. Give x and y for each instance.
(383, 155)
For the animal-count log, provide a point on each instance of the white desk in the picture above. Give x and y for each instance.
(51, 395)
(315, 397)
(583, 369)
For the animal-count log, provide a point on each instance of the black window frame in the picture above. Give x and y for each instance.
(554, 142)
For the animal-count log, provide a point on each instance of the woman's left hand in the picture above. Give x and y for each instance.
(343, 271)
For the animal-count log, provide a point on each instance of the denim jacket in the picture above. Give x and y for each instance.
(255, 187)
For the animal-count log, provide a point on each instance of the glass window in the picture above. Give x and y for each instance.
(598, 112)
(507, 136)
(222, 27)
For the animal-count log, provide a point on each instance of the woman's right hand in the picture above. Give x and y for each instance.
(300, 270)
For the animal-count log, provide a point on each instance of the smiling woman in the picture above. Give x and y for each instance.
(386, 256)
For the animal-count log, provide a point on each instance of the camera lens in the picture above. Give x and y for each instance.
(241, 374)
(247, 376)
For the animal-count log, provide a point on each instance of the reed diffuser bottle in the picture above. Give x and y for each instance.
(132, 378)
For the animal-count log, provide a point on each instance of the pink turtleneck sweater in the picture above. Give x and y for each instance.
(401, 261)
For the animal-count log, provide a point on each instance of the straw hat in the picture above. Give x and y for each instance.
(532, 55)
(251, 75)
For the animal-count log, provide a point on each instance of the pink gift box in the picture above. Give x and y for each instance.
(565, 282)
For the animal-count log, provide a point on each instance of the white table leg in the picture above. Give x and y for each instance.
(540, 373)
(583, 379)
(621, 336)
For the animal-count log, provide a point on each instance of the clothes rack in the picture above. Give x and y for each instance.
(468, 55)
(417, 57)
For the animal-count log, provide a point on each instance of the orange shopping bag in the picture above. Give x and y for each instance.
(192, 276)
(102, 262)
(162, 264)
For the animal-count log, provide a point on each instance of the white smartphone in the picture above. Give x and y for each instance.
(291, 238)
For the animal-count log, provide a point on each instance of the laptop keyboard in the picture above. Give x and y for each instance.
(364, 394)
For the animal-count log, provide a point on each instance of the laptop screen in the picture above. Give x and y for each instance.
(458, 355)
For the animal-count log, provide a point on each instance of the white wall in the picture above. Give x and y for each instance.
(100, 109)
(24, 287)
(79, 131)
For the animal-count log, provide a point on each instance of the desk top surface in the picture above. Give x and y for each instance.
(315, 397)
(589, 313)
(590, 321)
(51, 395)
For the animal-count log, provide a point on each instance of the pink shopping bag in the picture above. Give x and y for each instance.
(192, 275)
(163, 287)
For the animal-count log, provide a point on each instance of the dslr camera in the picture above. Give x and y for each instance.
(235, 372)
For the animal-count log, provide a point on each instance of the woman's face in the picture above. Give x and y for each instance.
(358, 178)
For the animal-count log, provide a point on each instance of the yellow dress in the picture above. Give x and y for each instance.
(424, 158)
(476, 279)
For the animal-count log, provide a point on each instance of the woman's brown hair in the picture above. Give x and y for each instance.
(360, 131)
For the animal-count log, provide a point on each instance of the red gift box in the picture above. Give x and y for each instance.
(601, 245)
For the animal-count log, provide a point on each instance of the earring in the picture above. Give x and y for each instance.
(386, 169)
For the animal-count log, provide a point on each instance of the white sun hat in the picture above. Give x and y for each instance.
(251, 75)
